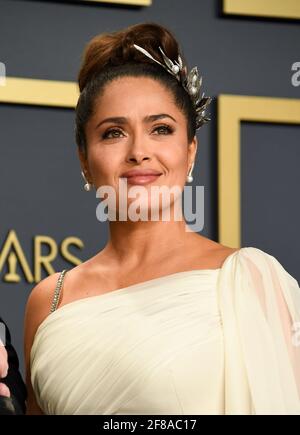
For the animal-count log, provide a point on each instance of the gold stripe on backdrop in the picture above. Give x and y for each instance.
(263, 8)
(39, 92)
(124, 2)
(232, 109)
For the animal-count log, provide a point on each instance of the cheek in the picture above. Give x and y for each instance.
(175, 159)
(104, 166)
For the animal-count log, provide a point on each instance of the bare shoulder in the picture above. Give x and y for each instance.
(222, 253)
(41, 296)
(38, 308)
(216, 253)
(227, 251)
(86, 279)
(39, 301)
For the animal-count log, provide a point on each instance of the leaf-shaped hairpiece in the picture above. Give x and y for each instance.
(191, 81)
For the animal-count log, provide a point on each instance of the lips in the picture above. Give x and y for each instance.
(141, 176)
(140, 172)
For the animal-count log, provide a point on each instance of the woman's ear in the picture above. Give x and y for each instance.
(83, 162)
(192, 150)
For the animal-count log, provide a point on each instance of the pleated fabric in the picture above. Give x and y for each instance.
(216, 341)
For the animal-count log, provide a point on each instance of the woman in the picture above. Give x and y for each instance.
(162, 320)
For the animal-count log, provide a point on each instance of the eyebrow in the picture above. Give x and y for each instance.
(124, 120)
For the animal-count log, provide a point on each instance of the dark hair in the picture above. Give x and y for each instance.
(110, 55)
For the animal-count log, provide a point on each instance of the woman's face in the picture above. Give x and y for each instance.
(151, 133)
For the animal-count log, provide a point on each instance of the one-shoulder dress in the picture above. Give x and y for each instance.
(214, 341)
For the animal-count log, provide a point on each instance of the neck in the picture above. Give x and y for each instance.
(148, 240)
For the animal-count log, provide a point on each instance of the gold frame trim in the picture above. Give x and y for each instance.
(39, 92)
(232, 109)
(263, 8)
(123, 2)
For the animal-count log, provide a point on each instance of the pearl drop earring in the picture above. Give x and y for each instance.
(189, 177)
(87, 187)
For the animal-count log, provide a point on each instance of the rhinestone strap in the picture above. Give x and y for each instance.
(57, 291)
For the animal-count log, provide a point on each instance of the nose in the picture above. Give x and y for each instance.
(138, 152)
(137, 158)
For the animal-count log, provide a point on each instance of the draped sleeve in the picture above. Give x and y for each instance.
(260, 308)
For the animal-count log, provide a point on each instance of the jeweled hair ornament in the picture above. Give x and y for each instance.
(190, 81)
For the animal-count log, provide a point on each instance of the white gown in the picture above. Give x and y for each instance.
(216, 341)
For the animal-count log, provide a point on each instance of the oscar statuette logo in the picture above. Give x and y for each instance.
(12, 276)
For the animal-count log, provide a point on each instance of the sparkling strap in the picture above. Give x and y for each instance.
(57, 291)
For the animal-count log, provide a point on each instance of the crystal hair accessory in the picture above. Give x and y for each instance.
(190, 81)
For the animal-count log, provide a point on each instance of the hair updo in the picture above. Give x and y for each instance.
(110, 55)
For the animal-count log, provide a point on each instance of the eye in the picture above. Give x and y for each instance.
(115, 133)
(164, 129)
